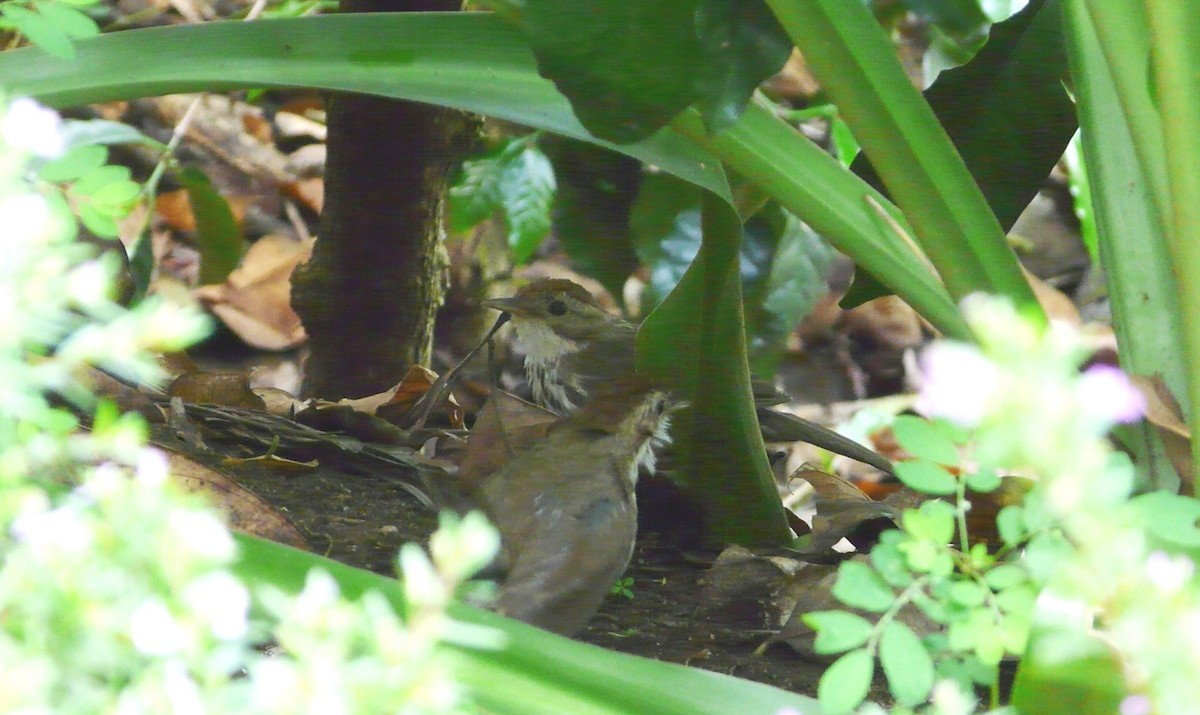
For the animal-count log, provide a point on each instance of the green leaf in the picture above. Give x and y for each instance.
(596, 191)
(70, 21)
(100, 177)
(906, 663)
(665, 229)
(551, 674)
(924, 439)
(218, 235)
(475, 196)
(742, 45)
(984, 481)
(1005, 575)
(117, 196)
(1010, 524)
(96, 221)
(932, 521)
(1068, 672)
(40, 30)
(889, 561)
(712, 51)
(784, 269)
(927, 477)
(845, 684)
(1172, 518)
(526, 193)
(967, 593)
(837, 631)
(83, 132)
(858, 586)
(73, 164)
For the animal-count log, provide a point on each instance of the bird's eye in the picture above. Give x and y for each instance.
(557, 307)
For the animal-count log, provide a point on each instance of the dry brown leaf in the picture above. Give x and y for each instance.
(231, 389)
(505, 426)
(1165, 416)
(245, 511)
(255, 301)
(309, 193)
(844, 512)
(1057, 305)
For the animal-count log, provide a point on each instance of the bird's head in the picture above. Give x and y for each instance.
(634, 411)
(558, 312)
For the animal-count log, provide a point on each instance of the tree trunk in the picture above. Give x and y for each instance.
(369, 294)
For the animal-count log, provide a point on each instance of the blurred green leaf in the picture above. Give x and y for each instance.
(1010, 524)
(100, 177)
(218, 235)
(906, 663)
(927, 477)
(845, 684)
(957, 16)
(536, 672)
(924, 439)
(1065, 671)
(859, 586)
(1172, 518)
(742, 45)
(838, 631)
(665, 229)
(73, 23)
(73, 164)
(80, 132)
(39, 29)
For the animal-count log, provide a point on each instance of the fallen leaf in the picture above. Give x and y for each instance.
(1165, 416)
(246, 511)
(231, 389)
(255, 301)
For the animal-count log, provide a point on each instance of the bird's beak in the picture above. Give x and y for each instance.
(512, 306)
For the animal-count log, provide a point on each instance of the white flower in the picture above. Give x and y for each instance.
(958, 383)
(1106, 394)
(30, 126)
(154, 630)
(203, 533)
(222, 602)
(1169, 573)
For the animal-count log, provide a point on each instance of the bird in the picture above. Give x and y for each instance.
(566, 510)
(573, 346)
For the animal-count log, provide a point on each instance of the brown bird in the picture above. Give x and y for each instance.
(566, 511)
(573, 346)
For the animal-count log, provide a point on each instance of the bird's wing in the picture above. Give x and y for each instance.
(569, 564)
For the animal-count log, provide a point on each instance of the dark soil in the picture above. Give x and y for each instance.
(362, 518)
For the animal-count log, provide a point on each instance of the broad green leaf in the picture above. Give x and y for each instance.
(96, 221)
(526, 192)
(218, 235)
(73, 164)
(932, 521)
(714, 52)
(794, 263)
(858, 586)
(927, 477)
(837, 631)
(906, 663)
(924, 439)
(664, 226)
(845, 684)
(475, 196)
(957, 16)
(117, 195)
(536, 672)
(596, 191)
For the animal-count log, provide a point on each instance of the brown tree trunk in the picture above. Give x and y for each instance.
(369, 294)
